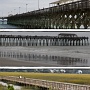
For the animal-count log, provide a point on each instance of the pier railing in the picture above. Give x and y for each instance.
(53, 85)
(72, 6)
(64, 7)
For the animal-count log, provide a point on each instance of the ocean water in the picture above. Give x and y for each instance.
(6, 84)
(4, 25)
(59, 56)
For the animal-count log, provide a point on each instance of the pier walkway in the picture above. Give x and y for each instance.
(45, 84)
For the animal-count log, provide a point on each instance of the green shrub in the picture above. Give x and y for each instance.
(10, 87)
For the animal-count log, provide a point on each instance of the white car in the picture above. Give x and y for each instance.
(79, 72)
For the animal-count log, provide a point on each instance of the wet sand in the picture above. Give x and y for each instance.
(10, 62)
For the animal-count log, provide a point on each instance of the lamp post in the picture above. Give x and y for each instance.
(11, 12)
(38, 4)
(26, 7)
(2, 13)
(8, 13)
(19, 10)
(14, 11)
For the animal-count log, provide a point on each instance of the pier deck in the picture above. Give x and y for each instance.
(45, 84)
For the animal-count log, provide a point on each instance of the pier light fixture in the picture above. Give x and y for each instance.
(11, 12)
(26, 7)
(14, 11)
(2, 13)
(19, 10)
(8, 13)
(38, 4)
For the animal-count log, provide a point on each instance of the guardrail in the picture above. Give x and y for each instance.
(46, 84)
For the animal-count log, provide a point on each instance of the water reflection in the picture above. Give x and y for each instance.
(43, 58)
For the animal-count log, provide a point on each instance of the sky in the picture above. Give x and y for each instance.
(12, 6)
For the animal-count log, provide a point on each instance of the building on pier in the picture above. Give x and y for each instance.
(67, 35)
(60, 2)
(60, 40)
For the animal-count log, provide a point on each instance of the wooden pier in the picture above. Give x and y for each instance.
(60, 40)
(64, 16)
(45, 84)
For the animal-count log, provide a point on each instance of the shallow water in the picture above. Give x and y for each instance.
(5, 26)
(15, 86)
(47, 56)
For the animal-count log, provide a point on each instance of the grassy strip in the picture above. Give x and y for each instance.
(3, 87)
(69, 78)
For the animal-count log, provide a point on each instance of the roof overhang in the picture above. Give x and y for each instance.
(63, 1)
